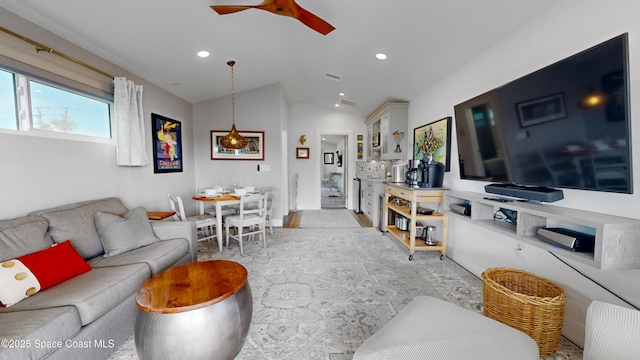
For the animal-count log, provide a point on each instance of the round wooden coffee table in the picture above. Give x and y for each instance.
(200, 310)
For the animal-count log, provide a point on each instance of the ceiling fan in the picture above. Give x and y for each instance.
(284, 8)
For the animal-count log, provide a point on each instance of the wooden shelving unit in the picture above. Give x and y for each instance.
(415, 196)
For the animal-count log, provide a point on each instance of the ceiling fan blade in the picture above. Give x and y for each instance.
(311, 20)
(229, 9)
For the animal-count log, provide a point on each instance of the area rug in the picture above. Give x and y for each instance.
(331, 218)
(318, 294)
(332, 198)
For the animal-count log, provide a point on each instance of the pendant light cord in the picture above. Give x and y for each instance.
(233, 97)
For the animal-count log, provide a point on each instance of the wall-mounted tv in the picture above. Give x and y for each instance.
(566, 125)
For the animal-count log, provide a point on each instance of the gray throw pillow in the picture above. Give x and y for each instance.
(121, 234)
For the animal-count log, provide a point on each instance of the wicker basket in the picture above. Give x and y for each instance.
(527, 302)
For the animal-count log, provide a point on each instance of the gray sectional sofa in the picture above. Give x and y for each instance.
(87, 316)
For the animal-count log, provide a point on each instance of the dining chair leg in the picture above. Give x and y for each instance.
(240, 228)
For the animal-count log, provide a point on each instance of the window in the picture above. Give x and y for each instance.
(59, 110)
(52, 106)
(8, 113)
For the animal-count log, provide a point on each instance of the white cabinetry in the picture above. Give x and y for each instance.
(370, 200)
(617, 244)
(382, 126)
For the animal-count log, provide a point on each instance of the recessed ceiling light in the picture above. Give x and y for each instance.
(203, 54)
(381, 56)
(324, 139)
(337, 105)
(341, 94)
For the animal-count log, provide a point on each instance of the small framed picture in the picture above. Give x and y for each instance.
(302, 153)
(328, 158)
(359, 137)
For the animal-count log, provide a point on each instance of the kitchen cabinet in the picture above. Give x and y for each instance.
(412, 198)
(616, 238)
(387, 132)
(369, 201)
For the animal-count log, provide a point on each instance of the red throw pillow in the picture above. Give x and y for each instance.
(56, 264)
(24, 276)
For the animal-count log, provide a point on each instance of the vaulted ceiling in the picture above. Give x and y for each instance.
(425, 40)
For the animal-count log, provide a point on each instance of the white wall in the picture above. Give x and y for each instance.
(566, 29)
(257, 110)
(312, 120)
(42, 172)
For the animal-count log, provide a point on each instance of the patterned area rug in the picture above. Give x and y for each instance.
(318, 294)
(313, 219)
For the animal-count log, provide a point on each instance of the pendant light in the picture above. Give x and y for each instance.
(233, 140)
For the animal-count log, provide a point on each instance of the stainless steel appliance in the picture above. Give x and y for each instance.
(402, 223)
(357, 189)
(428, 235)
(399, 171)
(413, 177)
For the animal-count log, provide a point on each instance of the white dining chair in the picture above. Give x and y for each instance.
(269, 217)
(252, 215)
(205, 223)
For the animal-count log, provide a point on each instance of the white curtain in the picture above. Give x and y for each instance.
(129, 123)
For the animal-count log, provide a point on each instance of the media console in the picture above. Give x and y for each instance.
(616, 243)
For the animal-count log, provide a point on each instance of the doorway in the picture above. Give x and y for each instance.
(333, 169)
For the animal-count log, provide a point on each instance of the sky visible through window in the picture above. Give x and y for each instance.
(8, 117)
(60, 110)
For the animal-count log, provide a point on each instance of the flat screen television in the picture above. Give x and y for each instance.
(564, 126)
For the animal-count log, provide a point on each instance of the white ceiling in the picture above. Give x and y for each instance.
(425, 40)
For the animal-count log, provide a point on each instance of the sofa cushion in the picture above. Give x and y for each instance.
(93, 293)
(23, 236)
(159, 256)
(120, 234)
(75, 222)
(26, 275)
(49, 327)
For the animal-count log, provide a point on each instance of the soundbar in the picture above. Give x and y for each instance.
(537, 193)
(567, 239)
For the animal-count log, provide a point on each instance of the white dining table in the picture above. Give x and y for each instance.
(219, 201)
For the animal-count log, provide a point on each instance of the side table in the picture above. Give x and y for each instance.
(200, 310)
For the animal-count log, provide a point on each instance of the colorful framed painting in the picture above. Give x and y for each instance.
(433, 139)
(167, 144)
(253, 151)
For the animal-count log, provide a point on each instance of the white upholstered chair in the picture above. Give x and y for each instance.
(252, 215)
(611, 332)
(205, 224)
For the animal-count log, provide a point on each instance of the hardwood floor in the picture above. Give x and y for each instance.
(293, 219)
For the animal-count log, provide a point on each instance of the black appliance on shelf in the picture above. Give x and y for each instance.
(432, 173)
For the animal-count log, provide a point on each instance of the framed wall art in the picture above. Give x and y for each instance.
(541, 110)
(302, 153)
(433, 139)
(167, 144)
(253, 151)
(328, 158)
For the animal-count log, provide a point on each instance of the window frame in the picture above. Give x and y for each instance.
(23, 74)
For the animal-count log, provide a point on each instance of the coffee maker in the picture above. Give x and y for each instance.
(431, 173)
(414, 174)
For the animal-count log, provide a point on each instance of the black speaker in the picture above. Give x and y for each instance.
(537, 193)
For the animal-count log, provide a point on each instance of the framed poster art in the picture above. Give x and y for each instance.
(253, 151)
(167, 144)
(433, 139)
